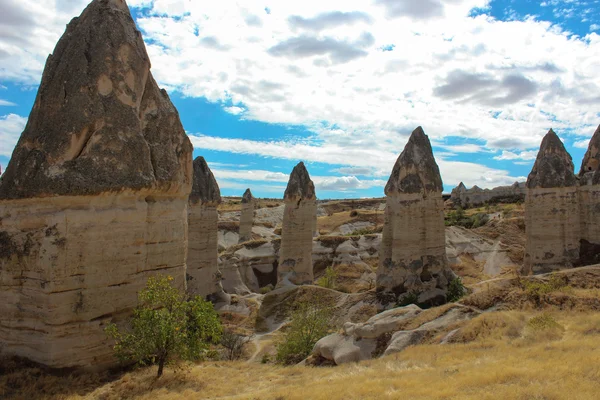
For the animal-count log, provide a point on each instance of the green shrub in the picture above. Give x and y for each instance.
(456, 290)
(328, 280)
(310, 321)
(266, 289)
(536, 290)
(543, 322)
(166, 326)
(407, 299)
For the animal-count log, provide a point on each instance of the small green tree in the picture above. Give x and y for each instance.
(310, 321)
(166, 326)
(328, 280)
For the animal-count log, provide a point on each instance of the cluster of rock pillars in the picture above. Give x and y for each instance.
(101, 192)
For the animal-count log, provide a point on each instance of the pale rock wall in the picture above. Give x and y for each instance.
(295, 263)
(203, 277)
(552, 229)
(416, 257)
(246, 221)
(589, 213)
(72, 264)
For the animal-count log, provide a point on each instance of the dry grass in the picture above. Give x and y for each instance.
(499, 356)
(327, 224)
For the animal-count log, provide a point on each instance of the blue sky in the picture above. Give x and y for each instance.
(341, 84)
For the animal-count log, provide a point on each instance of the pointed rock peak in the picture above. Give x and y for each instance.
(300, 186)
(415, 170)
(247, 197)
(461, 186)
(591, 159)
(205, 188)
(100, 123)
(475, 188)
(553, 166)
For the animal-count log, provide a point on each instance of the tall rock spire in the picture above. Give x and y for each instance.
(413, 254)
(94, 199)
(203, 275)
(551, 210)
(246, 216)
(589, 202)
(295, 266)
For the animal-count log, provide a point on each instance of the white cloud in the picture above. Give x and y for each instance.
(234, 110)
(582, 144)
(452, 172)
(463, 148)
(11, 126)
(319, 64)
(523, 156)
(594, 27)
(6, 103)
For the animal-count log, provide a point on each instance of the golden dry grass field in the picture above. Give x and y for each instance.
(548, 355)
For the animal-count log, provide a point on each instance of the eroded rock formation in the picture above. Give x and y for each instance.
(203, 275)
(247, 216)
(94, 199)
(295, 265)
(551, 210)
(589, 201)
(413, 255)
(461, 196)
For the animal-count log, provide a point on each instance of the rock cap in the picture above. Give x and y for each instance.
(300, 186)
(247, 197)
(553, 167)
(415, 170)
(100, 123)
(205, 188)
(591, 159)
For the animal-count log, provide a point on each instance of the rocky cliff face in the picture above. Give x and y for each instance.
(589, 192)
(247, 216)
(461, 196)
(94, 199)
(295, 265)
(203, 275)
(413, 255)
(551, 210)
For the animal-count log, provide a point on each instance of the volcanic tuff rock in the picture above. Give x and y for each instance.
(589, 192)
(295, 256)
(413, 255)
(247, 216)
(551, 209)
(203, 275)
(461, 196)
(94, 199)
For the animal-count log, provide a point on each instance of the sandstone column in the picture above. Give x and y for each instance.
(203, 275)
(589, 196)
(247, 216)
(295, 255)
(551, 210)
(94, 199)
(413, 257)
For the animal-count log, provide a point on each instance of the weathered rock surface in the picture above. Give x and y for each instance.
(247, 216)
(461, 196)
(388, 332)
(413, 255)
(203, 275)
(277, 305)
(551, 210)
(94, 199)
(589, 193)
(295, 265)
